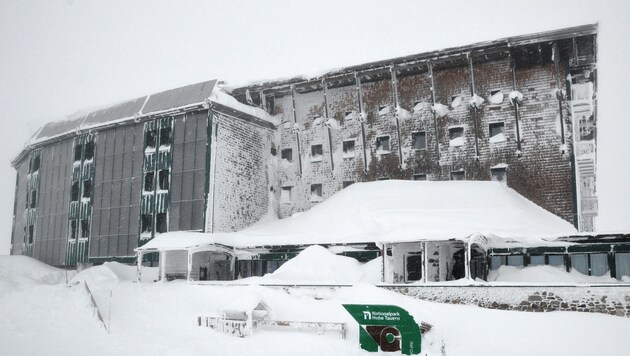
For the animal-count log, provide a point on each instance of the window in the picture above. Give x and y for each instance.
(85, 228)
(456, 136)
(149, 139)
(458, 175)
(497, 261)
(35, 164)
(348, 149)
(73, 230)
(419, 176)
(77, 152)
(413, 266)
(273, 151)
(273, 265)
(89, 150)
(347, 183)
(498, 174)
(622, 264)
(382, 145)
(285, 195)
(496, 97)
(383, 178)
(160, 222)
(74, 191)
(495, 130)
(163, 179)
(31, 234)
(555, 260)
(316, 153)
(383, 109)
(347, 114)
(146, 223)
(515, 260)
(148, 181)
(287, 124)
(595, 264)
(287, 154)
(537, 260)
(165, 136)
(316, 192)
(419, 140)
(33, 199)
(87, 188)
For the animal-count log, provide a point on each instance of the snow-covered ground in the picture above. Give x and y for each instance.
(41, 314)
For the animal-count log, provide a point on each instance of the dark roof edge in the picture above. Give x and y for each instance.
(512, 41)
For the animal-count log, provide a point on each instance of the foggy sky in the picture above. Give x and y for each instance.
(58, 57)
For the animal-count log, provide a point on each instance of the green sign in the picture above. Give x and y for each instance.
(386, 327)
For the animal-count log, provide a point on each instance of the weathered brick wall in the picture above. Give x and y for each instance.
(612, 300)
(542, 173)
(241, 183)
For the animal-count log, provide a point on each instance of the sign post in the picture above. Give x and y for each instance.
(386, 327)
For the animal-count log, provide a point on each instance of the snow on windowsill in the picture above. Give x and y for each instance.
(316, 159)
(348, 155)
(456, 142)
(315, 199)
(382, 152)
(498, 138)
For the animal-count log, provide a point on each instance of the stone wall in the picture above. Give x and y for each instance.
(605, 299)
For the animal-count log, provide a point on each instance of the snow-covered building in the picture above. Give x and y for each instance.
(213, 158)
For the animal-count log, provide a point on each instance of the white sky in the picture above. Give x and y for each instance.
(58, 57)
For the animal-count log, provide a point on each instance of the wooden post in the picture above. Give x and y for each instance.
(162, 264)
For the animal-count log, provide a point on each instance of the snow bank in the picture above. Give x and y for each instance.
(544, 274)
(18, 272)
(317, 264)
(107, 272)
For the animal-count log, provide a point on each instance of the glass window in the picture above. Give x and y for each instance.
(85, 228)
(31, 233)
(347, 183)
(74, 191)
(414, 266)
(73, 230)
(579, 262)
(148, 181)
(458, 175)
(419, 140)
(419, 177)
(497, 261)
(273, 265)
(149, 139)
(165, 136)
(285, 195)
(161, 223)
(348, 149)
(287, 154)
(316, 192)
(455, 132)
(163, 179)
(622, 264)
(77, 152)
(496, 128)
(556, 260)
(382, 144)
(316, 152)
(498, 175)
(599, 264)
(146, 223)
(33, 199)
(87, 188)
(89, 150)
(515, 260)
(537, 260)
(35, 164)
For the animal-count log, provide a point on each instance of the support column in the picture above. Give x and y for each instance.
(139, 267)
(473, 93)
(162, 264)
(297, 131)
(516, 104)
(357, 80)
(467, 254)
(437, 137)
(330, 146)
(392, 70)
(559, 96)
(189, 267)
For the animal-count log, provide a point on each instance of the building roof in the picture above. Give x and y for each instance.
(397, 211)
(174, 100)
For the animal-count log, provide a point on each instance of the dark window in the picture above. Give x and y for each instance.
(273, 151)
(459, 175)
(89, 150)
(31, 234)
(419, 140)
(35, 164)
(414, 266)
(146, 223)
(515, 260)
(163, 177)
(383, 178)
(73, 230)
(496, 128)
(74, 191)
(287, 154)
(160, 222)
(316, 152)
(537, 259)
(383, 109)
(347, 183)
(347, 114)
(498, 175)
(348, 148)
(419, 176)
(77, 152)
(87, 188)
(556, 260)
(455, 132)
(497, 261)
(316, 192)
(148, 181)
(165, 136)
(382, 144)
(149, 139)
(85, 228)
(33, 199)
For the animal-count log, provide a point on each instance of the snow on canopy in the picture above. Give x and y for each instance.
(396, 211)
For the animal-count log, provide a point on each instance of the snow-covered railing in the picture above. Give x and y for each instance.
(242, 328)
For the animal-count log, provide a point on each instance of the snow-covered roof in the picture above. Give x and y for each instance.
(193, 95)
(397, 211)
